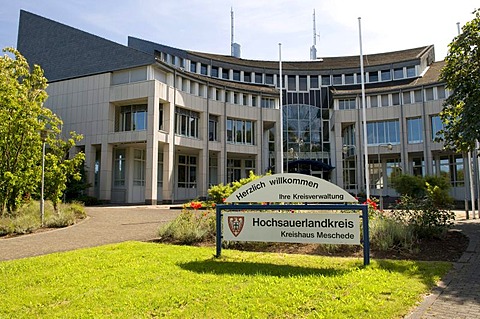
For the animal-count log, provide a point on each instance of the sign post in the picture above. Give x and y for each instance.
(293, 223)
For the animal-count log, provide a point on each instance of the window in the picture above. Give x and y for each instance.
(268, 103)
(437, 125)
(384, 98)
(213, 171)
(236, 75)
(451, 168)
(244, 99)
(302, 83)
(203, 69)
(139, 167)
(234, 170)
(193, 67)
(395, 99)
(225, 74)
(313, 82)
(247, 77)
(418, 96)
(407, 98)
(292, 83)
(429, 94)
(359, 78)
(240, 132)
(185, 86)
(337, 79)
(418, 166)
(394, 168)
(129, 76)
(347, 104)
(386, 75)
(268, 78)
(119, 168)
(186, 122)
(325, 79)
(349, 79)
(440, 92)
(131, 118)
(383, 132)
(214, 72)
(373, 101)
(372, 76)
(415, 130)
(398, 73)
(160, 117)
(249, 166)
(411, 71)
(212, 128)
(187, 171)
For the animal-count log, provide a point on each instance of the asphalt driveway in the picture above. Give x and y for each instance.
(104, 225)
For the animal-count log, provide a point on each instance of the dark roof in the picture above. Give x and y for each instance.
(430, 77)
(65, 52)
(327, 63)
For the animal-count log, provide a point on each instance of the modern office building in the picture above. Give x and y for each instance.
(162, 124)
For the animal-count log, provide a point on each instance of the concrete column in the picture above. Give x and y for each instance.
(90, 153)
(168, 191)
(151, 160)
(106, 170)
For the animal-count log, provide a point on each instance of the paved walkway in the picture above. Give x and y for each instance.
(104, 225)
(458, 295)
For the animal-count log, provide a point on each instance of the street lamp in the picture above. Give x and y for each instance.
(380, 171)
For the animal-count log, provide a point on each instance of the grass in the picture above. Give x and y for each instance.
(147, 280)
(27, 218)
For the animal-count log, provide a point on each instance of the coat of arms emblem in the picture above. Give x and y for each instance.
(235, 223)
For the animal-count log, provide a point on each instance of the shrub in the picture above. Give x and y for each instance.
(387, 233)
(218, 193)
(435, 187)
(426, 218)
(27, 218)
(409, 185)
(191, 226)
(66, 215)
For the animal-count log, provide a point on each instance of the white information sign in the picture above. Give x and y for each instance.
(290, 188)
(324, 228)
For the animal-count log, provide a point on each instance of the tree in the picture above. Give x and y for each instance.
(22, 118)
(461, 73)
(59, 168)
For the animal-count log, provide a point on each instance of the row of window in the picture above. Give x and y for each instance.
(186, 169)
(392, 99)
(449, 167)
(293, 82)
(383, 132)
(217, 94)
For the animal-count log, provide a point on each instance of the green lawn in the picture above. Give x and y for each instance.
(148, 280)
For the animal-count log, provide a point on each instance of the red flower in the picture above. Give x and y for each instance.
(196, 205)
(371, 203)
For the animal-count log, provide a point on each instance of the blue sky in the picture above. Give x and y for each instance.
(204, 25)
